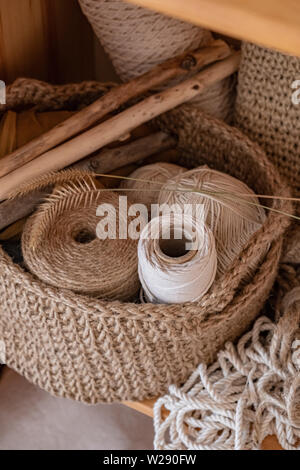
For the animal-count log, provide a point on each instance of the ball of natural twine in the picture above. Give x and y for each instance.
(61, 247)
(231, 208)
(146, 182)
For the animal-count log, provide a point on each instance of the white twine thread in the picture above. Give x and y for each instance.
(252, 391)
(183, 276)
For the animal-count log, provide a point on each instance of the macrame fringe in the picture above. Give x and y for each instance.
(252, 391)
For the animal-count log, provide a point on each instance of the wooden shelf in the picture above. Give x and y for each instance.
(146, 407)
(272, 23)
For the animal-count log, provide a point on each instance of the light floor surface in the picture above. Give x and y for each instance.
(32, 419)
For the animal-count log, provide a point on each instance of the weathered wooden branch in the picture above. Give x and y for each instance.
(15, 209)
(119, 125)
(111, 159)
(105, 162)
(111, 101)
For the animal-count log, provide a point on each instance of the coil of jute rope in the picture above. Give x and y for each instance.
(61, 246)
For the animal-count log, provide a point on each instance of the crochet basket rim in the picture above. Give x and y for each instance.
(27, 91)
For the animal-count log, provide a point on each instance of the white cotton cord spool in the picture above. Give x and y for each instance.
(146, 182)
(229, 215)
(176, 270)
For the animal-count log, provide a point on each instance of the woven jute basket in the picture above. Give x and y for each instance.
(94, 351)
(265, 111)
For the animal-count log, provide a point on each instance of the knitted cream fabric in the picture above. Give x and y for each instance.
(136, 39)
(78, 347)
(265, 112)
(264, 109)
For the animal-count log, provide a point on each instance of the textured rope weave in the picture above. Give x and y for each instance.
(24, 92)
(136, 39)
(264, 111)
(67, 251)
(94, 351)
(252, 391)
(231, 221)
(157, 173)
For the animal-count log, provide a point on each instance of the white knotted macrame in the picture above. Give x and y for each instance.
(250, 392)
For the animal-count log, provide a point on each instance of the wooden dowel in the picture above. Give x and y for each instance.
(174, 68)
(107, 161)
(15, 209)
(119, 125)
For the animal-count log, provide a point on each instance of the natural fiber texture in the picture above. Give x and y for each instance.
(52, 179)
(46, 97)
(264, 109)
(78, 347)
(292, 245)
(230, 216)
(252, 391)
(218, 100)
(265, 112)
(177, 259)
(60, 245)
(142, 192)
(136, 39)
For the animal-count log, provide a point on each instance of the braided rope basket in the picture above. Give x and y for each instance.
(94, 351)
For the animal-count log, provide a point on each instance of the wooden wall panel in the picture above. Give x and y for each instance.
(50, 40)
(22, 39)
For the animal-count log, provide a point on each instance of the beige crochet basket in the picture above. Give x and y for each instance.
(95, 351)
(265, 111)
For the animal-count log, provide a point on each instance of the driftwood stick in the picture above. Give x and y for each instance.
(111, 159)
(174, 68)
(119, 125)
(16, 209)
(105, 162)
